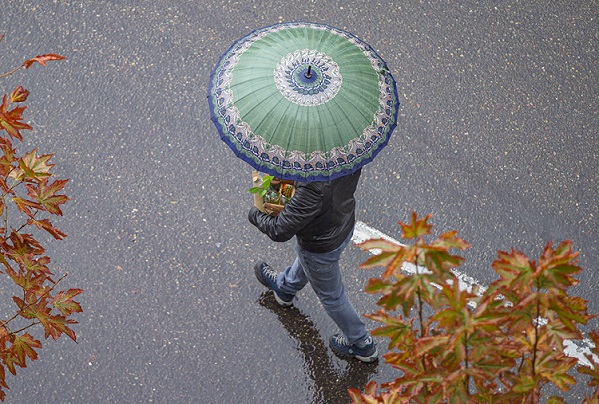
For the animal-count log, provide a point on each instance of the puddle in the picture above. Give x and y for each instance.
(330, 377)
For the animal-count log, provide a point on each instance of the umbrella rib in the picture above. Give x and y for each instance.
(292, 117)
(357, 131)
(251, 96)
(278, 125)
(291, 138)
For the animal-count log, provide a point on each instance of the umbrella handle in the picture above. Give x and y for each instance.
(308, 74)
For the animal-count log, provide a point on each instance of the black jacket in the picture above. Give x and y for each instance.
(320, 214)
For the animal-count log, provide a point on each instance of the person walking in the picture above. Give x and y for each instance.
(321, 215)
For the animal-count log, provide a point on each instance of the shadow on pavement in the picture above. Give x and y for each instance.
(330, 384)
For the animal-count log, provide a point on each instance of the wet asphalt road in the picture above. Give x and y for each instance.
(497, 138)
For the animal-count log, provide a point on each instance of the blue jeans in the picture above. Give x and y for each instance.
(323, 272)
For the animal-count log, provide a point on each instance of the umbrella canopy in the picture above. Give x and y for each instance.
(303, 101)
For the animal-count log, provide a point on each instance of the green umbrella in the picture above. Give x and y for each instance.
(303, 101)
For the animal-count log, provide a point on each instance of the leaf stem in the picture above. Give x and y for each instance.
(420, 311)
(5, 213)
(466, 364)
(536, 323)
(11, 188)
(26, 327)
(11, 72)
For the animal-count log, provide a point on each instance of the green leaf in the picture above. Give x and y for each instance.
(557, 333)
(376, 285)
(396, 329)
(557, 266)
(426, 344)
(22, 245)
(515, 270)
(575, 303)
(570, 318)
(442, 262)
(525, 383)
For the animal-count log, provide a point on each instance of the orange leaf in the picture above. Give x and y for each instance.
(42, 59)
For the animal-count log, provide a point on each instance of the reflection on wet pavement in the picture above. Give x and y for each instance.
(330, 383)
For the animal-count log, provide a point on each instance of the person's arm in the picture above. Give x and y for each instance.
(299, 211)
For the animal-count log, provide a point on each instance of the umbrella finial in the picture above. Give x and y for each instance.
(309, 72)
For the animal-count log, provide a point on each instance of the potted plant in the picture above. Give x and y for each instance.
(271, 194)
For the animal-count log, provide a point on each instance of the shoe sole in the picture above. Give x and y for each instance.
(366, 359)
(260, 278)
(281, 301)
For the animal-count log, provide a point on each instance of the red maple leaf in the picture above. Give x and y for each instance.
(45, 224)
(55, 326)
(64, 302)
(11, 121)
(24, 346)
(45, 194)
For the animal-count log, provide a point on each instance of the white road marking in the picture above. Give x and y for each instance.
(363, 232)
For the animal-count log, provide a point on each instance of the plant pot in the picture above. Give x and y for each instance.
(281, 191)
(285, 191)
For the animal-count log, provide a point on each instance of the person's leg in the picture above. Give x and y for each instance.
(324, 274)
(293, 279)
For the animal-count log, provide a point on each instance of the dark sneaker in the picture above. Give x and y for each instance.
(365, 353)
(268, 277)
